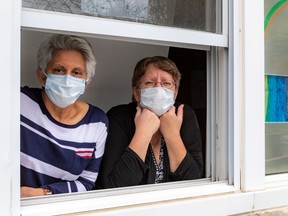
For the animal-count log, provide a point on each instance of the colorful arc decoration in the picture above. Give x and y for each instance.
(276, 87)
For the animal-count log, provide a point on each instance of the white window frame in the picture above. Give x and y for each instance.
(136, 32)
(253, 148)
(276, 179)
(40, 20)
(245, 65)
(10, 107)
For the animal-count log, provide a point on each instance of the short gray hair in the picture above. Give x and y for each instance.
(66, 42)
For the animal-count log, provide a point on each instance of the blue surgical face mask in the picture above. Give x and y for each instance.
(159, 100)
(64, 90)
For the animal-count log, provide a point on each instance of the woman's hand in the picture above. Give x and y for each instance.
(31, 192)
(146, 123)
(170, 125)
(170, 122)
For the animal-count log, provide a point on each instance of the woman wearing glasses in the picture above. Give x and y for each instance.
(152, 139)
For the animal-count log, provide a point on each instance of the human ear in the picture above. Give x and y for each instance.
(40, 77)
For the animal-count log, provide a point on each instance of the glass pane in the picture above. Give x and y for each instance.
(196, 15)
(276, 86)
(276, 148)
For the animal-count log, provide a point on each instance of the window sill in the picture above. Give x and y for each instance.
(121, 197)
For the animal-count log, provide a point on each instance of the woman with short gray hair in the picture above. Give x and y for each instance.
(62, 137)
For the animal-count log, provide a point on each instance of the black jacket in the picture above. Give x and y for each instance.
(121, 166)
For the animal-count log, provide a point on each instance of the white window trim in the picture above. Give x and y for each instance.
(168, 202)
(114, 29)
(217, 118)
(280, 179)
(234, 125)
(252, 66)
(120, 197)
(10, 107)
(41, 20)
(223, 199)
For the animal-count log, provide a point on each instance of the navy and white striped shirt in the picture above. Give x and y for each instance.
(63, 158)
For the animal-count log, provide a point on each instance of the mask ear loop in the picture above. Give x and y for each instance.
(45, 76)
(87, 81)
(44, 73)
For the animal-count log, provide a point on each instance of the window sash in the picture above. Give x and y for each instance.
(121, 197)
(33, 19)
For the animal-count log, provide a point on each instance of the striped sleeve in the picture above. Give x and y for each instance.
(63, 158)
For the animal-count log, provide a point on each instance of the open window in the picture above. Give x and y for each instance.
(201, 56)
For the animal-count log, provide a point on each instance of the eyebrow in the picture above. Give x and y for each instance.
(79, 68)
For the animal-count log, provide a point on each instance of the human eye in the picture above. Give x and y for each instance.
(149, 84)
(78, 73)
(167, 84)
(58, 70)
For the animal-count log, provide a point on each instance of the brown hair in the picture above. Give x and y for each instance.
(159, 62)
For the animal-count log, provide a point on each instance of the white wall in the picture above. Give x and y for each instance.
(115, 63)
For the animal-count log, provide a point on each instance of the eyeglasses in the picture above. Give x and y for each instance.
(166, 84)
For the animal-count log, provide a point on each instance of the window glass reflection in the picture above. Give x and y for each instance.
(276, 86)
(196, 15)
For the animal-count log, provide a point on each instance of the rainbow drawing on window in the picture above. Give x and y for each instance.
(276, 98)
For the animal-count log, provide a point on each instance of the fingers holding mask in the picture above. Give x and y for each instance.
(146, 121)
(171, 121)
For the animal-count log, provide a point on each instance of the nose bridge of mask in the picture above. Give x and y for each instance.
(73, 81)
(66, 80)
(157, 94)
